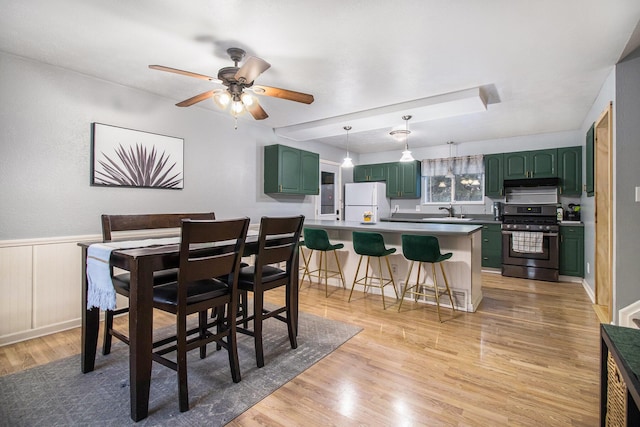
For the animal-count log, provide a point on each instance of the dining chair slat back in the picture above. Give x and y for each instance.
(199, 288)
(277, 243)
(113, 225)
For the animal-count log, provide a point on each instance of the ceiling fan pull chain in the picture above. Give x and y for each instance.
(235, 126)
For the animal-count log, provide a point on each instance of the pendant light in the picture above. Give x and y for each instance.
(450, 173)
(347, 163)
(406, 154)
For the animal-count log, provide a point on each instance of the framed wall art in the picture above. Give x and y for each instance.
(123, 157)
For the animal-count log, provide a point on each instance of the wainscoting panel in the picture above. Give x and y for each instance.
(56, 283)
(15, 287)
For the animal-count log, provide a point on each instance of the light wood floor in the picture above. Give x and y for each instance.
(528, 357)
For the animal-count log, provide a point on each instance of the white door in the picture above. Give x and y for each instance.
(328, 202)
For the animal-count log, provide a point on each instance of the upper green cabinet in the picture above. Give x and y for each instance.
(589, 161)
(366, 173)
(403, 180)
(531, 164)
(493, 175)
(570, 170)
(288, 170)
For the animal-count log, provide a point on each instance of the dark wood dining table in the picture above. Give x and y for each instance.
(141, 263)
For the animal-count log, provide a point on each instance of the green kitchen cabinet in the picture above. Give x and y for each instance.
(403, 180)
(491, 246)
(589, 161)
(288, 170)
(572, 251)
(531, 164)
(366, 173)
(570, 170)
(493, 175)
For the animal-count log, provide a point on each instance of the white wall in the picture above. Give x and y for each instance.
(45, 143)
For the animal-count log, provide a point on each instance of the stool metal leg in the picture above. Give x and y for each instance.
(355, 278)
(384, 307)
(446, 283)
(335, 254)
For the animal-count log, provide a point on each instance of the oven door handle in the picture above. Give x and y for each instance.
(543, 234)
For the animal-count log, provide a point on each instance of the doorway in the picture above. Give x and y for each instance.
(328, 203)
(604, 215)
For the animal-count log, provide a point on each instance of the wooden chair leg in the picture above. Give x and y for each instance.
(108, 326)
(290, 327)
(181, 363)
(232, 343)
(257, 326)
(202, 330)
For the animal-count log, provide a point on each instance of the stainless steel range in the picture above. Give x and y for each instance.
(530, 241)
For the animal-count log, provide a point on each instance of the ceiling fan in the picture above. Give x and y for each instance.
(237, 79)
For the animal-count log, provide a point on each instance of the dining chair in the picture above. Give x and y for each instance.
(425, 249)
(278, 241)
(367, 244)
(122, 226)
(209, 251)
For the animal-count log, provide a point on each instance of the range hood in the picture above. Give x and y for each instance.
(532, 190)
(532, 182)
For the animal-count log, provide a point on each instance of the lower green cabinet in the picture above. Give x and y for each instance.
(572, 251)
(491, 246)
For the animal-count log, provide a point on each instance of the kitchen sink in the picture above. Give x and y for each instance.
(447, 219)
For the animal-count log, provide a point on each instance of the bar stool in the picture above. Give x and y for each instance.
(304, 267)
(372, 245)
(425, 249)
(318, 240)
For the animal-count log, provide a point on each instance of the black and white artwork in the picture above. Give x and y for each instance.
(131, 158)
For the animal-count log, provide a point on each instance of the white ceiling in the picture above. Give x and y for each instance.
(540, 64)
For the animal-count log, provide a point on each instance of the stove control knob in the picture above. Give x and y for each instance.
(548, 227)
(527, 227)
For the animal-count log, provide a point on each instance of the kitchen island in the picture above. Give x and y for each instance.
(463, 240)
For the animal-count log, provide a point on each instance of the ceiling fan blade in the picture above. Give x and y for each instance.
(184, 73)
(251, 69)
(196, 99)
(257, 111)
(290, 95)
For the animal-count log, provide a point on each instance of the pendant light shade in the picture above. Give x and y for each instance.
(347, 163)
(450, 173)
(406, 154)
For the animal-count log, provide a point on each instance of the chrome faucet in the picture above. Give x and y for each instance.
(449, 209)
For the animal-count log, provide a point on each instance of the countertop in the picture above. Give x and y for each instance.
(426, 218)
(442, 229)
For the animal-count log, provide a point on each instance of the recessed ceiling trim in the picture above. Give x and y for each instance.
(435, 107)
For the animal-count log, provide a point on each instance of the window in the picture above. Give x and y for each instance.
(455, 180)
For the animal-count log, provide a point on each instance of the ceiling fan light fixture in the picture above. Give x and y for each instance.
(347, 163)
(222, 99)
(237, 108)
(247, 99)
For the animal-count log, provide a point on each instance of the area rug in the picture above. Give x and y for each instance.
(58, 394)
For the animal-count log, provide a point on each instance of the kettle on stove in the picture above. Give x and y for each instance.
(573, 213)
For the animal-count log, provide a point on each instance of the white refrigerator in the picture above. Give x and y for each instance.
(366, 196)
